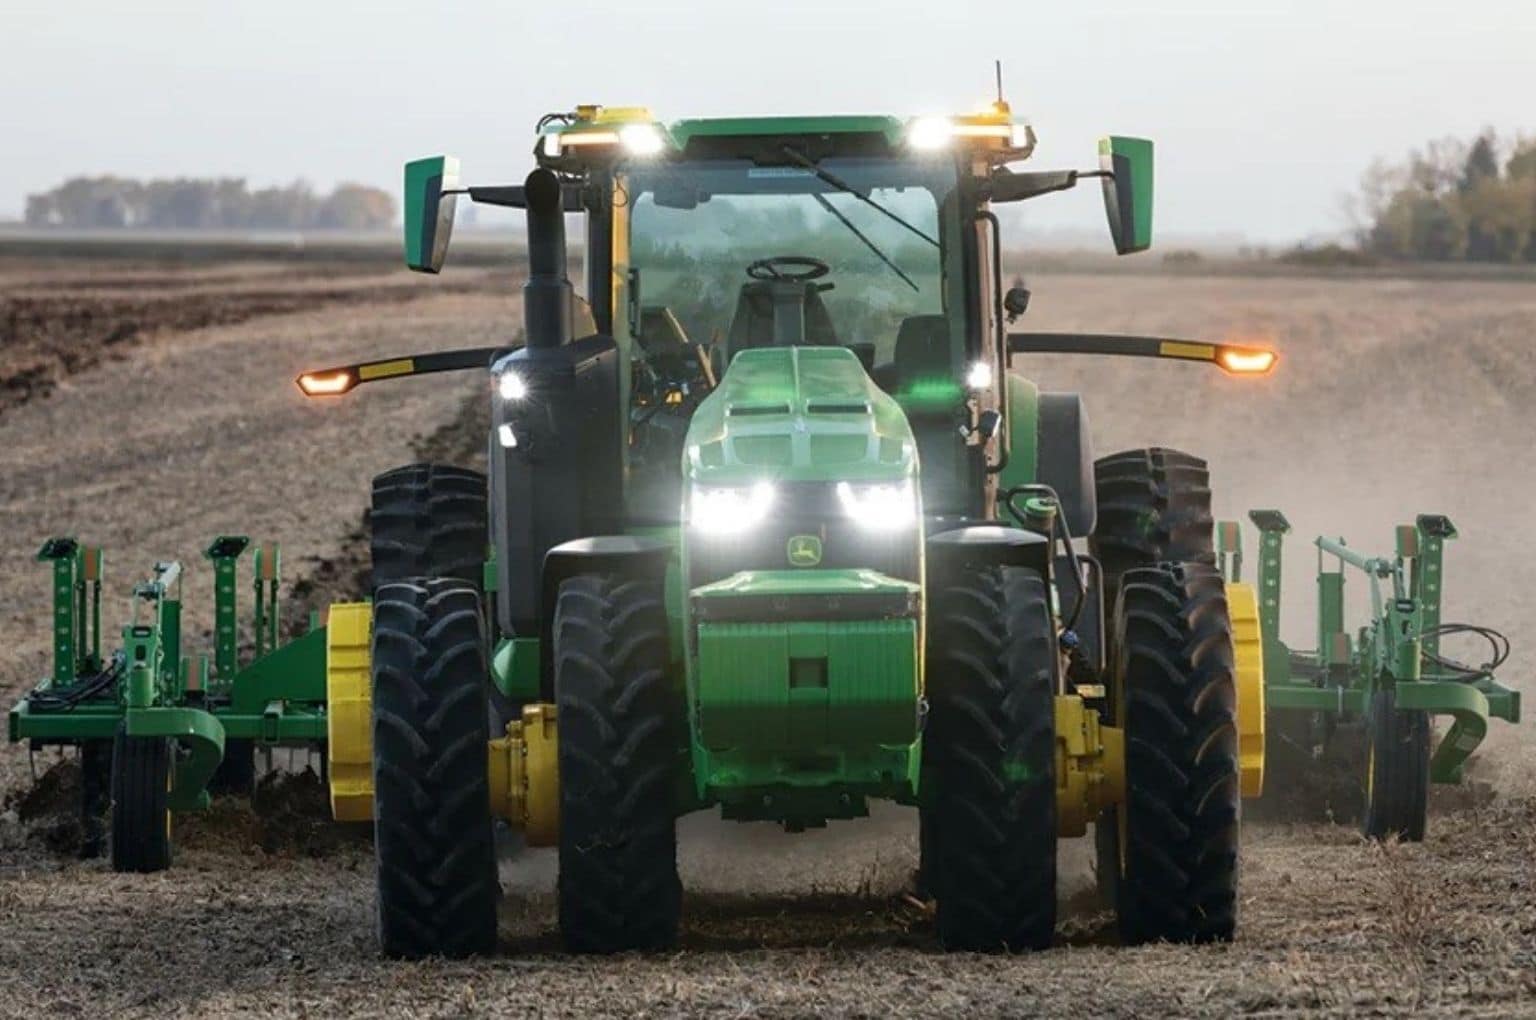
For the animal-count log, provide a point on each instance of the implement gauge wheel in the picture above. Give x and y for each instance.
(1396, 771)
(619, 753)
(432, 818)
(1168, 854)
(1154, 507)
(990, 756)
(141, 815)
(428, 520)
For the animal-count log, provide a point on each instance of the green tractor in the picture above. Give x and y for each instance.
(770, 526)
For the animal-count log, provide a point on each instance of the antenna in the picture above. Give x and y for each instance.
(998, 67)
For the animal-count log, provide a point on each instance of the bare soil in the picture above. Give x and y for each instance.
(1393, 397)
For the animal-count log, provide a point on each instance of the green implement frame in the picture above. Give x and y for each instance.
(150, 688)
(1399, 648)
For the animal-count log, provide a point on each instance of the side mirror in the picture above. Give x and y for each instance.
(429, 206)
(1128, 191)
(1016, 301)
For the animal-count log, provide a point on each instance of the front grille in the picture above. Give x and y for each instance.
(804, 508)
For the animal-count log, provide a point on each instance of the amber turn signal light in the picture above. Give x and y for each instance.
(1246, 360)
(326, 384)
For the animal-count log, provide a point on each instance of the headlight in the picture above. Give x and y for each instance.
(641, 139)
(888, 507)
(929, 133)
(979, 377)
(730, 511)
(511, 386)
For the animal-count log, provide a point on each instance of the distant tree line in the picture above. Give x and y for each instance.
(188, 203)
(1453, 201)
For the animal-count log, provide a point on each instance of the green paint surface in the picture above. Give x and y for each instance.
(798, 414)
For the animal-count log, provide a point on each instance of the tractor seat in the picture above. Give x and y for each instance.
(752, 325)
(922, 356)
(921, 352)
(660, 332)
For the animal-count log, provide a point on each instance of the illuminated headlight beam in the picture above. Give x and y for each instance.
(879, 507)
(730, 510)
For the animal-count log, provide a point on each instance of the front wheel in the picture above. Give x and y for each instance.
(619, 764)
(437, 888)
(990, 757)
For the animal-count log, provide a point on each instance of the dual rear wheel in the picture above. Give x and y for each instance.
(618, 766)
(433, 839)
(1168, 854)
(437, 887)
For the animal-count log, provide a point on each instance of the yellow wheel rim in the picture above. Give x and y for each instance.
(349, 710)
(1248, 674)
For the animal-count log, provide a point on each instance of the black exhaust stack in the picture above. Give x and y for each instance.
(556, 455)
(547, 294)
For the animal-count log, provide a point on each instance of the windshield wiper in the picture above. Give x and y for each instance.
(837, 182)
(829, 207)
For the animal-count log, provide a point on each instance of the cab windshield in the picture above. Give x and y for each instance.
(720, 245)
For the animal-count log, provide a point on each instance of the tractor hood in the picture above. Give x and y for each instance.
(798, 414)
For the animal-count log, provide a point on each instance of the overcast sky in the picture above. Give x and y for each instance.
(1264, 113)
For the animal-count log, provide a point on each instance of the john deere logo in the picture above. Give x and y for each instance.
(804, 551)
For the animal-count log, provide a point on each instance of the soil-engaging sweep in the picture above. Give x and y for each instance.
(771, 526)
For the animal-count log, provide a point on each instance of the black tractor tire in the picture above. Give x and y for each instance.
(1154, 507)
(620, 751)
(429, 520)
(141, 814)
(927, 855)
(990, 754)
(437, 890)
(236, 774)
(1178, 827)
(1397, 771)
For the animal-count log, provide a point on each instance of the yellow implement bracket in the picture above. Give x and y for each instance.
(1090, 765)
(525, 776)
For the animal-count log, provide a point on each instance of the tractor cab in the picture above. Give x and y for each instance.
(856, 250)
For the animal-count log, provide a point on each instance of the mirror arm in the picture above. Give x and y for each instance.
(1231, 358)
(339, 379)
(510, 196)
(1008, 186)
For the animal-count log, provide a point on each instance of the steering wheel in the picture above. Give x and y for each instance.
(788, 269)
